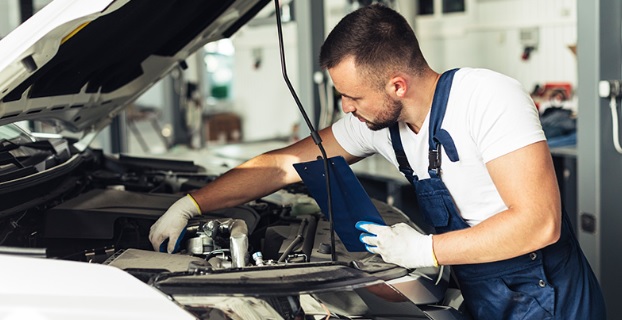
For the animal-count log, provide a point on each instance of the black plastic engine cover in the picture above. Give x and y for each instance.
(92, 215)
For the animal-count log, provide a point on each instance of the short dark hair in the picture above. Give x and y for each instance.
(380, 40)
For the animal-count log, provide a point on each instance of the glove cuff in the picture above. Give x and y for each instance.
(432, 249)
(196, 205)
(186, 207)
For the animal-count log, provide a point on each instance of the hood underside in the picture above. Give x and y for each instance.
(81, 62)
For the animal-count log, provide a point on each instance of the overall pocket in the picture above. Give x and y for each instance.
(524, 294)
(434, 209)
(438, 206)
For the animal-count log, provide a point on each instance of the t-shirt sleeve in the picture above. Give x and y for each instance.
(354, 136)
(503, 118)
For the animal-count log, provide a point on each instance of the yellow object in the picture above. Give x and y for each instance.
(73, 33)
(434, 256)
(195, 203)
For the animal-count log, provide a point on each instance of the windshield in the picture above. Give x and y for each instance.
(14, 134)
(21, 154)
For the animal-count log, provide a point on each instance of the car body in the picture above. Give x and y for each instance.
(74, 221)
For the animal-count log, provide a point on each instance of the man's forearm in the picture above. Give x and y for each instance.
(264, 174)
(251, 180)
(503, 236)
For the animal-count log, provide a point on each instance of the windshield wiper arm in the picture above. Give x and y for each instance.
(7, 145)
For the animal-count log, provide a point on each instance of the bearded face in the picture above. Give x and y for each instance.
(391, 111)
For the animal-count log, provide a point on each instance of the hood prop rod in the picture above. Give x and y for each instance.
(314, 134)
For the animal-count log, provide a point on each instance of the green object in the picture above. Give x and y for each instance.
(220, 92)
(305, 208)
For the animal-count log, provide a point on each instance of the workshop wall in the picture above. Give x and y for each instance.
(260, 96)
(496, 34)
(493, 34)
(9, 16)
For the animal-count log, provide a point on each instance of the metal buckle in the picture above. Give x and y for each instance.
(434, 159)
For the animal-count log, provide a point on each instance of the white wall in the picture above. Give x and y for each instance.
(260, 95)
(488, 36)
(9, 16)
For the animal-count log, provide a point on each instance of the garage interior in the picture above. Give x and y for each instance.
(228, 103)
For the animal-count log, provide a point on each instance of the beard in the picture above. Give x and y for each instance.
(391, 111)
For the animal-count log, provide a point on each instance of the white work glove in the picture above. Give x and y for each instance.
(173, 222)
(398, 244)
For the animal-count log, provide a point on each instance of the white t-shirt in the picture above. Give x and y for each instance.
(488, 115)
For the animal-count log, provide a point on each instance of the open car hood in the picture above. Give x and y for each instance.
(82, 62)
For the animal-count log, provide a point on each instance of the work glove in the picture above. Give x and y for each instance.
(173, 223)
(398, 244)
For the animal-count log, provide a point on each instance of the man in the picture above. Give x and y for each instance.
(490, 192)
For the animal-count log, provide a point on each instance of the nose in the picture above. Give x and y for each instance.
(346, 106)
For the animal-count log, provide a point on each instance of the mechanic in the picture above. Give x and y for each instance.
(495, 204)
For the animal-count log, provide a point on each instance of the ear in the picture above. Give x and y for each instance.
(397, 87)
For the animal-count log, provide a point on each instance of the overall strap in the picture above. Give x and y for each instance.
(398, 148)
(437, 135)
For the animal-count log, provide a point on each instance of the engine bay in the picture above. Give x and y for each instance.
(110, 203)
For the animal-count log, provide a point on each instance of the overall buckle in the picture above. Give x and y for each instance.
(434, 159)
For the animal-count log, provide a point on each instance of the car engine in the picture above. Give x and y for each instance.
(101, 205)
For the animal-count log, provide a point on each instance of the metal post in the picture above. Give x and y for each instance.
(599, 55)
(309, 16)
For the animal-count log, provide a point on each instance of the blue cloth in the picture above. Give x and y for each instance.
(563, 141)
(555, 282)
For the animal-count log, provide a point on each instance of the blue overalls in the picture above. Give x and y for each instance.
(555, 282)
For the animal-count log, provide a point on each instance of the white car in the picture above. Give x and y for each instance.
(74, 221)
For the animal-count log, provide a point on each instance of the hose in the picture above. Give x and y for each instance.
(295, 242)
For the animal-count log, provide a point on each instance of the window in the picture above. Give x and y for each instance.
(219, 64)
(450, 6)
(425, 7)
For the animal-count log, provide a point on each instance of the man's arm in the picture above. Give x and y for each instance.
(251, 180)
(526, 181)
(265, 173)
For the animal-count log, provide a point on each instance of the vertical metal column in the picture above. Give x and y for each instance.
(309, 17)
(118, 134)
(177, 106)
(26, 9)
(599, 55)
